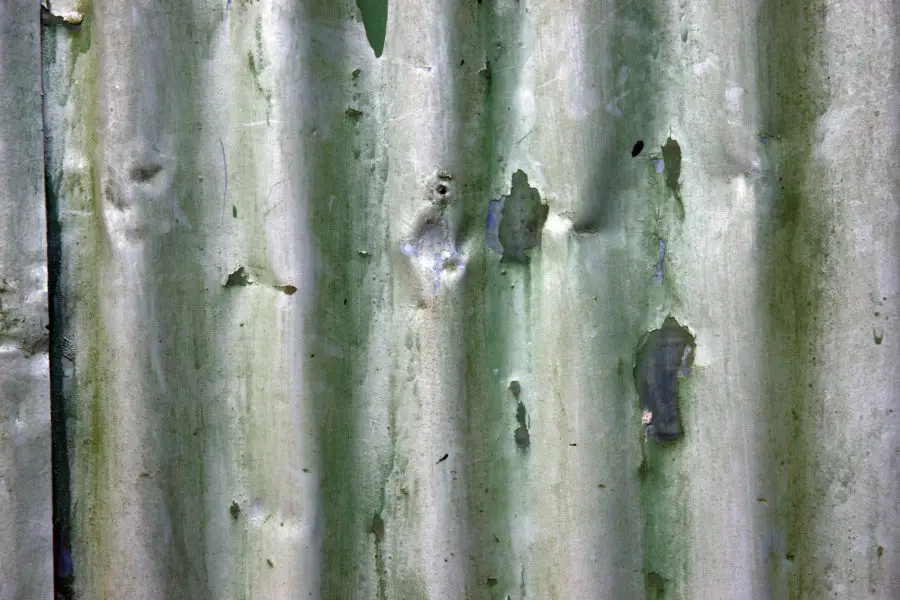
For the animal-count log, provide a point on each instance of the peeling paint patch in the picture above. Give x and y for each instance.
(238, 278)
(671, 154)
(241, 277)
(522, 436)
(663, 356)
(378, 527)
(521, 219)
(656, 583)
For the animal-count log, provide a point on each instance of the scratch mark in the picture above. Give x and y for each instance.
(546, 83)
(277, 204)
(524, 136)
(259, 123)
(662, 257)
(409, 115)
(225, 193)
(610, 15)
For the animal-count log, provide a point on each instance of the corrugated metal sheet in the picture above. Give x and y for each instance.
(26, 556)
(338, 320)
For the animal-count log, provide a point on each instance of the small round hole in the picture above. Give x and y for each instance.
(441, 189)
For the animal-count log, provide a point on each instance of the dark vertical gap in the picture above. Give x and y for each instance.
(63, 576)
(63, 567)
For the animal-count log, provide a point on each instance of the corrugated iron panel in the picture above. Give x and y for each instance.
(26, 553)
(516, 300)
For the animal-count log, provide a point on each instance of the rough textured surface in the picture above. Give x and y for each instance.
(26, 558)
(294, 364)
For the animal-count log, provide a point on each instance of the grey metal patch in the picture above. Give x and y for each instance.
(663, 356)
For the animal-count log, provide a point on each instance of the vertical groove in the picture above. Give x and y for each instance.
(63, 567)
(791, 239)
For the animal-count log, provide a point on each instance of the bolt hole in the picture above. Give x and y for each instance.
(441, 189)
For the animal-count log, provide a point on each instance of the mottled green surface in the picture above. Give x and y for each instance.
(295, 370)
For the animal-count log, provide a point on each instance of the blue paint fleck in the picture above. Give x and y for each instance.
(492, 227)
(662, 257)
(409, 249)
(65, 565)
(685, 369)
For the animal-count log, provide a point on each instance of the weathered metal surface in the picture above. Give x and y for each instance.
(26, 563)
(310, 359)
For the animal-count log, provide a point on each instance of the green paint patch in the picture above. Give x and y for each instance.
(238, 278)
(374, 17)
(655, 585)
(378, 527)
(672, 163)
